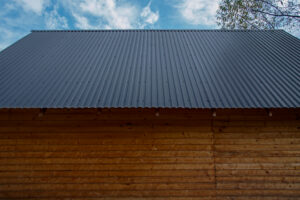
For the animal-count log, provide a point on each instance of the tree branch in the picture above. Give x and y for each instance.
(276, 15)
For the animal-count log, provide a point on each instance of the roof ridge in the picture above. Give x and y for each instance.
(155, 30)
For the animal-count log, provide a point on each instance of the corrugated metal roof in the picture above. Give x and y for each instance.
(151, 68)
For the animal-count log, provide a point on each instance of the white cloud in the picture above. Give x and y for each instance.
(54, 21)
(82, 22)
(120, 16)
(295, 31)
(148, 15)
(7, 37)
(110, 14)
(198, 11)
(18, 17)
(36, 6)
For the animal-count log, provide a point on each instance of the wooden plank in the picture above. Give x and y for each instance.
(101, 116)
(259, 192)
(112, 167)
(97, 129)
(120, 133)
(107, 154)
(111, 173)
(279, 141)
(266, 147)
(122, 198)
(94, 114)
(255, 154)
(99, 160)
(97, 124)
(256, 198)
(97, 141)
(258, 135)
(258, 172)
(256, 123)
(257, 179)
(238, 123)
(241, 129)
(106, 123)
(115, 116)
(101, 179)
(228, 114)
(258, 186)
(286, 166)
(107, 193)
(51, 148)
(108, 186)
(258, 160)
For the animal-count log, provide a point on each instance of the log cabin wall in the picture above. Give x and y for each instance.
(149, 154)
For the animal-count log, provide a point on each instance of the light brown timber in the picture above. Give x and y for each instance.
(132, 154)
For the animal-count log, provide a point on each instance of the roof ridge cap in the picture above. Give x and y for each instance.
(157, 30)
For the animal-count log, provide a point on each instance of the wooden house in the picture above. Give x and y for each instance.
(150, 114)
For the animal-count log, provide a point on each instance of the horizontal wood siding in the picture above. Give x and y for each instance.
(258, 158)
(149, 154)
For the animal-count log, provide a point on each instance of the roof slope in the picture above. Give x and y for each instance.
(151, 68)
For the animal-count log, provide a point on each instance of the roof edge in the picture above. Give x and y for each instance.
(157, 30)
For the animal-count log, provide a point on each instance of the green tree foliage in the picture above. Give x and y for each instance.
(259, 14)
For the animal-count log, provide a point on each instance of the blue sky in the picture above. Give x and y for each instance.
(19, 17)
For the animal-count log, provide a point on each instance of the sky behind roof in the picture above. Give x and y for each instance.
(19, 17)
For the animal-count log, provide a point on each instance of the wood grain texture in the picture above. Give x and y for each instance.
(133, 154)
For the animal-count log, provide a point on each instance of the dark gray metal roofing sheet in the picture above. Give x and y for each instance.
(151, 69)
